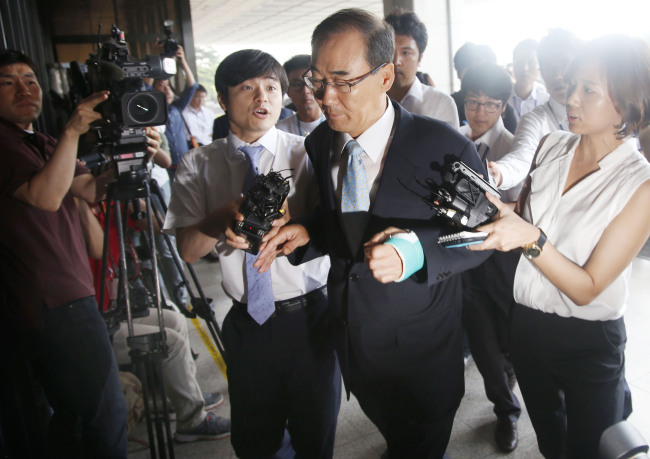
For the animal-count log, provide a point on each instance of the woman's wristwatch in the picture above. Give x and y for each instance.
(534, 249)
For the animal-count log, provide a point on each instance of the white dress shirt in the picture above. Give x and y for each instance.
(576, 220)
(199, 123)
(212, 176)
(428, 101)
(499, 141)
(533, 126)
(374, 141)
(538, 96)
(293, 125)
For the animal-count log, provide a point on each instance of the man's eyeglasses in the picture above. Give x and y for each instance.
(340, 86)
(489, 107)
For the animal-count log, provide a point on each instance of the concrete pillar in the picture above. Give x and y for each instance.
(443, 19)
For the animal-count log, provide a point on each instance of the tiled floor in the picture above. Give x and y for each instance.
(472, 436)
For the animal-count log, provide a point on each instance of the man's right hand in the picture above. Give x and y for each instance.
(84, 114)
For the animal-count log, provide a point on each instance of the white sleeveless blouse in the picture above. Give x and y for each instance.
(575, 221)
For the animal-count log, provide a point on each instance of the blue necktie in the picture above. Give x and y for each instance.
(259, 287)
(354, 191)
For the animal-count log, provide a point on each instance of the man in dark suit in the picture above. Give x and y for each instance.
(395, 296)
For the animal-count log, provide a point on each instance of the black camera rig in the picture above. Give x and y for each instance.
(130, 107)
(170, 45)
(461, 197)
(262, 205)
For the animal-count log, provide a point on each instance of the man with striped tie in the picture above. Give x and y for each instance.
(394, 294)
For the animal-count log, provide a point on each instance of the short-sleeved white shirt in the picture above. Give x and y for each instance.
(213, 175)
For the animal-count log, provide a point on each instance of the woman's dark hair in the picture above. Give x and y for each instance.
(489, 79)
(378, 35)
(246, 64)
(10, 57)
(407, 23)
(624, 63)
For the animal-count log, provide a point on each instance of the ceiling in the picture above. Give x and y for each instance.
(220, 23)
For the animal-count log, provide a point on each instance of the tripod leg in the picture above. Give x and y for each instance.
(200, 307)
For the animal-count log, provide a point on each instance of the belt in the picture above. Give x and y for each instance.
(292, 304)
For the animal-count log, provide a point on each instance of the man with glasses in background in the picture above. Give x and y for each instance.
(308, 114)
(486, 89)
(394, 298)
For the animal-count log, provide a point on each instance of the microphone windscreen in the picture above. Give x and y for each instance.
(112, 71)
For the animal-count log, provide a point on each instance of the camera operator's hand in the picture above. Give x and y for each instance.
(225, 219)
(189, 76)
(196, 240)
(288, 239)
(84, 114)
(180, 54)
(382, 259)
(153, 142)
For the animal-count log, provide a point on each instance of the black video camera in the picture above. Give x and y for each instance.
(130, 107)
(461, 197)
(261, 207)
(170, 46)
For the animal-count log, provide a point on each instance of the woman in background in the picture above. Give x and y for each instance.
(589, 190)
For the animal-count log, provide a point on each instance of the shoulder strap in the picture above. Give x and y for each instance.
(525, 191)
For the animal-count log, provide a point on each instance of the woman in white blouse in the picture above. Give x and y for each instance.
(589, 190)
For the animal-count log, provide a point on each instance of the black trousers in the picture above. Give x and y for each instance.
(410, 388)
(73, 360)
(572, 375)
(487, 300)
(283, 374)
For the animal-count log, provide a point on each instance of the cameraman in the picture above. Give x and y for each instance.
(175, 127)
(49, 313)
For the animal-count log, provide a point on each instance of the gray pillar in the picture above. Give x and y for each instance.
(443, 19)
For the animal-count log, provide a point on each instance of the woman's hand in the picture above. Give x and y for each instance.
(508, 231)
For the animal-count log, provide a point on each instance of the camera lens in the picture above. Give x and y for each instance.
(143, 108)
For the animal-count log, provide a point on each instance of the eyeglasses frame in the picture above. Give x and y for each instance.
(349, 83)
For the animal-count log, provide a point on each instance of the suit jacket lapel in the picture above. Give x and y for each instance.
(397, 160)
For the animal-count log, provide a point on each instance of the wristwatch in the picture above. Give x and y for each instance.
(534, 249)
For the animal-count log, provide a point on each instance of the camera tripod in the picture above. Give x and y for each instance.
(149, 350)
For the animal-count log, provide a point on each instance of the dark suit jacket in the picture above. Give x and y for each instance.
(393, 323)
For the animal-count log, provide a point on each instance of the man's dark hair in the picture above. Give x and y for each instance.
(201, 88)
(301, 61)
(524, 46)
(556, 43)
(407, 23)
(489, 79)
(244, 65)
(379, 36)
(10, 57)
(471, 54)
